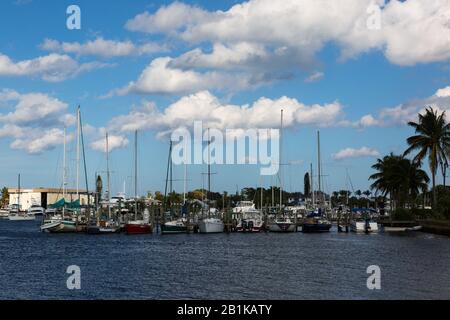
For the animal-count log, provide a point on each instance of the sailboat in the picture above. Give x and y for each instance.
(282, 223)
(179, 225)
(109, 226)
(16, 214)
(210, 224)
(138, 226)
(60, 222)
(315, 221)
(62, 216)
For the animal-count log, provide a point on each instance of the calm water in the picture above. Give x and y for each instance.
(236, 266)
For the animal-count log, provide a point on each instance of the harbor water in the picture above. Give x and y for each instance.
(33, 265)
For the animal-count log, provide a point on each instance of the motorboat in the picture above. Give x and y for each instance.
(364, 226)
(283, 225)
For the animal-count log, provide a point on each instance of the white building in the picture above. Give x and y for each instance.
(44, 197)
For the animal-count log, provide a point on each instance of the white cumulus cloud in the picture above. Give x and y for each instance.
(114, 142)
(356, 153)
(411, 32)
(53, 67)
(102, 47)
(34, 121)
(204, 106)
(159, 77)
(408, 111)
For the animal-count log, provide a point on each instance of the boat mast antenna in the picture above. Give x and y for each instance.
(108, 176)
(280, 166)
(18, 194)
(135, 175)
(78, 152)
(85, 167)
(64, 172)
(318, 168)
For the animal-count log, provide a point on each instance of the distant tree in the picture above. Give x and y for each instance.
(159, 196)
(4, 201)
(307, 185)
(367, 193)
(432, 140)
(98, 189)
(358, 193)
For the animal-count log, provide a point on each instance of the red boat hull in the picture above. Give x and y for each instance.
(138, 228)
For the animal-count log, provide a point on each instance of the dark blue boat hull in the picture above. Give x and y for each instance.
(315, 227)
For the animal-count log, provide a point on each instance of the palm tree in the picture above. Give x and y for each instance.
(432, 139)
(412, 179)
(383, 177)
(399, 177)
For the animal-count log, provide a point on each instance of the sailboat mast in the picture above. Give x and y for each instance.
(209, 174)
(64, 171)
(18, 194)
(169, 159)
(78, 152)
(171, 171)
(64, 165)
(108, 176)
(280, 166)
(312, 186)
(135, 175)
(318, 164)
(85, 168)
(262, 196)
(184, 186)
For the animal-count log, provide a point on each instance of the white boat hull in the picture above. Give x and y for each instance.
(59, 227)
(210, 226)
(21, 218)
(360, 227)
(282, 227)
(4, 215)
(402, 229)
(250, 225)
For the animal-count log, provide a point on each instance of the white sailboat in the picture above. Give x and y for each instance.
(282, 223)
(210, 224)
(60, 223)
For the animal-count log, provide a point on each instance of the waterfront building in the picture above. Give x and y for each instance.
(44, 197)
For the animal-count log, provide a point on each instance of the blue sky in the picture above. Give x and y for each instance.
(389, 74)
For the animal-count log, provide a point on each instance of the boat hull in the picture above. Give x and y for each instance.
(60, 227)
(213, 226)
(315, 227)
(21, 218)
(283, 227)
(140, 228)
(101, 230)
(360, 227)
(172, 229)
(250, 226)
